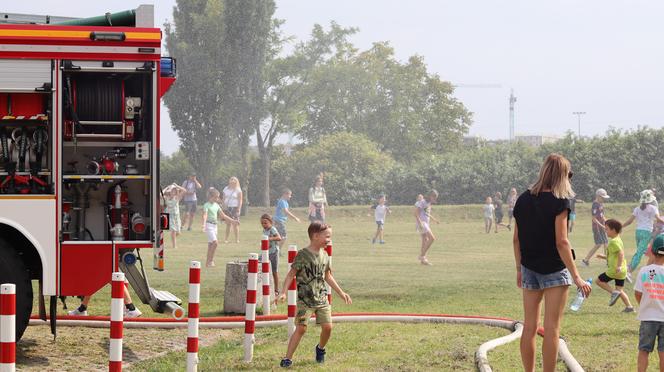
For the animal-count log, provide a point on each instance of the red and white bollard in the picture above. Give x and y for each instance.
(265, 273)
(8, 327)
(292, 291)
(328, 249)
(250, 309)
(117, 317)
(193, 313)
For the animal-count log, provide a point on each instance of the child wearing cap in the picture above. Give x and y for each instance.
(617, 266)
(647, 289)
(599, 234)
(644, 215)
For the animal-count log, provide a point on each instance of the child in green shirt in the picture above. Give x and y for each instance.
(311, 268)
(617, 266)
(211, 213)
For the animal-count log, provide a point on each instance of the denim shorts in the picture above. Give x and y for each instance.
(648, 331)
(533, 280)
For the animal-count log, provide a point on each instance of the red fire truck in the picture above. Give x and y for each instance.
(79, 155)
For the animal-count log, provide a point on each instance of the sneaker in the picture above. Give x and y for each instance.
(210, 264)
(629, 309)
(585, 262)
(614, 297)
(286, 363)
(76, 312)
(629, 277)
(509, 227)
(132, 313)
(382, 242)
(320, 354)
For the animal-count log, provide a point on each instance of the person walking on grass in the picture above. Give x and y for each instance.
(422, 217)
(380, 212)
(647, 290)
(644, 215)
(617, 266)
(511, 200)
(191, 184)
(544, 259)
(274, 238)
(312, 270)
(211, 213)
(317, 201)
(599, 233)
(498, 213)
(488, 210)
(232, 205)
(281, 214)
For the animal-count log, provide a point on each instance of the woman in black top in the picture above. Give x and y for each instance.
(544, 260)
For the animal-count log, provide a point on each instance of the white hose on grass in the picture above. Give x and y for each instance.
(481, 356)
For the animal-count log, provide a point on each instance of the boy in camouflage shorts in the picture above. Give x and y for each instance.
(311, 268)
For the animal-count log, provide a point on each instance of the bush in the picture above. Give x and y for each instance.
(354, 170)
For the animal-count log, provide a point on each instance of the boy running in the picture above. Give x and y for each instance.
(281, 213)
(617, 266)
(312, 270)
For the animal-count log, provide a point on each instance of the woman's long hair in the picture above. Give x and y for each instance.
(237, 182)
(554, 175)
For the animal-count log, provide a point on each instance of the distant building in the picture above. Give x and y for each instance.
(537, 140)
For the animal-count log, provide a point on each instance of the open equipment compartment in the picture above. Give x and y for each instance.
(107, 165)
(26, 129)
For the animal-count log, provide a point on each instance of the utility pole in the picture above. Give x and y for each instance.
(578, 116)
(512, 102)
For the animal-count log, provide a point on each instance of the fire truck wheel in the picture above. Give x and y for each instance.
(12, 270)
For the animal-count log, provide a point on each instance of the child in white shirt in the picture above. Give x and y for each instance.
(380, 211)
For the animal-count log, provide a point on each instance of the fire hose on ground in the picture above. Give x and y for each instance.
(232, 322)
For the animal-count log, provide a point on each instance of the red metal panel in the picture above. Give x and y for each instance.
(83, 56)
(22, 104)
(165, 84)
(85, 268)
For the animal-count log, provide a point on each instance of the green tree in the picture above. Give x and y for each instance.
(194, 100)
(247, 28)
(401, 106)
(286, 79)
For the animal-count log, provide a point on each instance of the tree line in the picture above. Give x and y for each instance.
(357, 171)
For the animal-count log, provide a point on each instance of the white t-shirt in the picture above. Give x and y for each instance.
(190, 186)
(231, 197)
(423, 209)
(488, 210)
(380, 212)
(650, 282)
(644, 218)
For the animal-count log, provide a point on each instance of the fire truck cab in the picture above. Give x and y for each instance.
(79, 155)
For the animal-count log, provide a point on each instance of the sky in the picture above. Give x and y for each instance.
(601, 57)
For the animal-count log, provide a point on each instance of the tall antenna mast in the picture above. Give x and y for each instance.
(512, 102)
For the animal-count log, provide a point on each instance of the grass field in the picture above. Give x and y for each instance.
(472, 274)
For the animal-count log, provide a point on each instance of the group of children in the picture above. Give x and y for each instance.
(649, 282)
(493, 211)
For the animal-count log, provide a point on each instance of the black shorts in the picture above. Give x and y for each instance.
(605, 279)
(499, 217)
